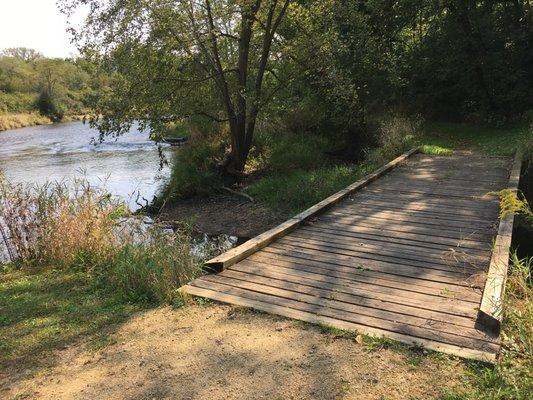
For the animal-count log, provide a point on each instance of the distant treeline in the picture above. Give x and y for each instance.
(55, 88)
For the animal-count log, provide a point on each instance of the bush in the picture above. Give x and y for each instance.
(48, 105)
(394, 135)
(193, 170)
(295, 152)
(52, 224)
(16, 102)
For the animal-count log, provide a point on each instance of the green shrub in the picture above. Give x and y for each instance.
(297, 152)
(49, 105)
(16, 102)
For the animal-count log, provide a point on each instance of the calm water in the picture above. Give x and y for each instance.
(127, 166)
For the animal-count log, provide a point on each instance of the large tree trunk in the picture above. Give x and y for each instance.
(235, 161)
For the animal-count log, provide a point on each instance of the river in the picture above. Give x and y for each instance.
(128, 166)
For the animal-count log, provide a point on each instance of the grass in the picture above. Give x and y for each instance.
(490, 141)
(82, 267)
(294, 191)
(435, 150)
(21, 120)
(50, 310)
(510, 378)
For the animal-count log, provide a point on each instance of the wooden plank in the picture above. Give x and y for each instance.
(490, 310)
(442, 203)
(438, 194)
(372, 310)
(385, 233)
(442, 177)
(440, 256)
(444, 188)
(272, 278)
(396, 326)
(409, 227)
(240, 252)
(461, 293)
(383, 255)
(432, 214)
(424, 208)
(440, 304)
(378, 236)
(445, 258)
(415, 284)
(311, 317)
(399, 215)
(311, 257)
(388, 267)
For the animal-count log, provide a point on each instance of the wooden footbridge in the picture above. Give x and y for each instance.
(418, 255)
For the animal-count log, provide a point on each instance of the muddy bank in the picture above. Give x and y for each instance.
(224, 214)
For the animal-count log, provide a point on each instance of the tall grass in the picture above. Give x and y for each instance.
(21, 120)
(74, 226)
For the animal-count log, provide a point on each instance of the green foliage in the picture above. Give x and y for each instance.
(193, 168)
(512, 204)
(53, 87)
(48, 105)
(295, 152)
(297, 190)
(152, 273)
(510, 378)
(16, 102)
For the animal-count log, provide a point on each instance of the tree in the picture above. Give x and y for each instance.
(175, 59)
(22, 53)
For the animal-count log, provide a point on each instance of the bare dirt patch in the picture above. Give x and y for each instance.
(221, 214)
(222, 352)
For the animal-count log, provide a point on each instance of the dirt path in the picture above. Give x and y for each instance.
(222, 352)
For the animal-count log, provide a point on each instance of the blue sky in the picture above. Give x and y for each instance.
(37, 24)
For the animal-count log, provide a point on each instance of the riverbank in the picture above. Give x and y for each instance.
(23, 120)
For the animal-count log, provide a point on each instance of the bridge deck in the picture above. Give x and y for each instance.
(405, 257)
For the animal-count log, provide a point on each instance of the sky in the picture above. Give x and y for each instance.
(36, 24)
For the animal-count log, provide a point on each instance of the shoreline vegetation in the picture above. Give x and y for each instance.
(24, 120)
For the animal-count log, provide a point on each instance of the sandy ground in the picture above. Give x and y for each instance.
(220, 214)
(222, 352)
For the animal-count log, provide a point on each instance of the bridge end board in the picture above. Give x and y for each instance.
(241, 252)
(490, 310)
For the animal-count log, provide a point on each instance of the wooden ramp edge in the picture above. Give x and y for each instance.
(491, 309)
(239, 253)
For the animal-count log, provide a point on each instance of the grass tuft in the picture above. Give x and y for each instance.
(435, 150)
